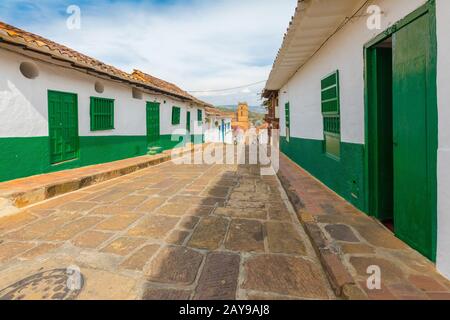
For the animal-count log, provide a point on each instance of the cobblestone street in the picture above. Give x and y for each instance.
(166, 232)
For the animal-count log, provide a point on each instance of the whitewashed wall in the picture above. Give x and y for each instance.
(443, 83)
(228, 132)
(166, 117)
(345, 52)
(213, 133)
(24, 103)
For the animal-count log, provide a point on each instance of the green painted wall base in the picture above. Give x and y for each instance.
(344, 176)
(166, 142)
(23, 157)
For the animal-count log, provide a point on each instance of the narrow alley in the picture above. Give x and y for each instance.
(166, 232)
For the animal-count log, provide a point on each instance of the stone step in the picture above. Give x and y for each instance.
(20, 193)
(154, 151)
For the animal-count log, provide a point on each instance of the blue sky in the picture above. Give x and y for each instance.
(201, 45)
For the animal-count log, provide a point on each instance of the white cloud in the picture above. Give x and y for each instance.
(199, 45)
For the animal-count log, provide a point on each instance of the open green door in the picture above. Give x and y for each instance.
(380, 127)
(188, 122)
(415, 135)
(153, 122)
(188, 127)
(63, 126)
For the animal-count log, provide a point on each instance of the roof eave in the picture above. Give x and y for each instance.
(313, 23)
(77, 64)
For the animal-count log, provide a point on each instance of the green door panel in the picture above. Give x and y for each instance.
(413, 213)
(384, 134)
(380, 132)
(153, 122)
(188, 122)
(63, 126)
(188, 127)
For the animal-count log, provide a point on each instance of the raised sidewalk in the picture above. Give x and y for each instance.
(348, 242)
(20, 193)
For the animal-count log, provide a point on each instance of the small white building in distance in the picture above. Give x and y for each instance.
(218, 126)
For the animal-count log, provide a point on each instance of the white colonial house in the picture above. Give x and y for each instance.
(218, 126)
(361, 92)
(60, 109)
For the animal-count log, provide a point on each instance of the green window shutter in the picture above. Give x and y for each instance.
(199, 115)
(330, 101)
(287, 109)
(330, 94)
(176, 115)
(288, 115)
(102, 114)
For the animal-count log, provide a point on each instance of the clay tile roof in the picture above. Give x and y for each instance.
(144, 77)
(28, 39)
(212, 111)
(167, 86)
(20, 37)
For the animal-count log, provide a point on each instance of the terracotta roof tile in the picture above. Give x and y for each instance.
(32, 41)
(210, 110)
(144, 77)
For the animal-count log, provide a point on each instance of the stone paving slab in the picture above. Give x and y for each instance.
(171, 231)
(348, 242)
(219, 278)
(23, 192)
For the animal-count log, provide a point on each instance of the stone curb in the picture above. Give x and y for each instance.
(340, 279)
(20, 199)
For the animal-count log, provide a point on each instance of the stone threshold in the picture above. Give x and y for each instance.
(23, 192)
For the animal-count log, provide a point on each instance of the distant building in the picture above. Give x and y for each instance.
(241, 119)
(218, 126)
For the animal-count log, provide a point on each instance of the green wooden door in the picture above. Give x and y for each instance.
(287, 110)
(414, 136)
(188, 127)
(153, 122)
(188, 122)
(380, 131)
(63, 126)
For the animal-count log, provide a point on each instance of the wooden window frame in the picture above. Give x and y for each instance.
(330, 105)
(176, 116)
(107, 116)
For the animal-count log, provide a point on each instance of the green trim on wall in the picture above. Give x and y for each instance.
(428, 8)
(345, 177)
(95, 150)
(24, 157)
(176, 115)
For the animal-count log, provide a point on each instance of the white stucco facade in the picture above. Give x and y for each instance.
(213, 132)
(24, 102)
(345, 52)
